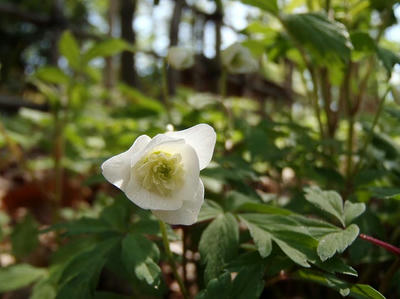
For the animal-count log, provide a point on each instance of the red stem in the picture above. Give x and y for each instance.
(387, 246)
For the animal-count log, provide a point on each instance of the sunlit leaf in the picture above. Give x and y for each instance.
(328, 201)
(69, 48)
(337, 242)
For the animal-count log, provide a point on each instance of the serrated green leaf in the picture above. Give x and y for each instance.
(352, 211)
(69, 48)
(269, 6)
(328, 201)
(106, 48)
(261, 238)
(292, 237)
(140, 256)
(219, 244)
(52, 74)
(19, 276)
(324, 38)
(337, 242)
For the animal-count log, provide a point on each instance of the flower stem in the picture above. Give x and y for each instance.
(163, 229)
(387, 246)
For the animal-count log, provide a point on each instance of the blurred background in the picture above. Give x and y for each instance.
(81, 79)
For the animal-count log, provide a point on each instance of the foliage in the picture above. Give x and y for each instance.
(297, 174)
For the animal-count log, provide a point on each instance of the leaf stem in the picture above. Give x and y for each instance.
(389, 247)
(171, 261)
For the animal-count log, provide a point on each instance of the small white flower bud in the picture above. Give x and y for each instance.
(180, 58)
(237, 59)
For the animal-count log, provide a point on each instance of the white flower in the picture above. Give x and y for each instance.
(237, 59)
(180, 58)
(162, 173)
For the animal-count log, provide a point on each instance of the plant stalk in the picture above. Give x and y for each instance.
(171, 261)
(389, 247)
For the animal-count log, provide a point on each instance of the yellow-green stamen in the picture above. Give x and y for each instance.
(160, 172)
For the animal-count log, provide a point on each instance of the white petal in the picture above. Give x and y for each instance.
(150, 200)
(189, 211)
(202, 138)
(117, 169)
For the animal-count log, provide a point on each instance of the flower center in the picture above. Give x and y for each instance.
(160, 172)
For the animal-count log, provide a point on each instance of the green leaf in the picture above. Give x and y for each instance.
(292, 237)
(106, 48)
(263, 208)
(385, 192)
(324, 38)
(24, 237)
(328, 201)
(219, 244)
(360, 291)
(69, 48)
(140, 256)
(52, 74)
(84, 225)
(43, 290)
(80, 276)
(269, 6)
(217, 288)
(352, 211)
(336, 265)
(337, 242)
(248, 283)
(209, 210)
(388, 59)
(19, 276)
(261, 238)
(363, 42)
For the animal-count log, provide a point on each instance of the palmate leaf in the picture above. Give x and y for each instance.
(219, 244)
(324, 38)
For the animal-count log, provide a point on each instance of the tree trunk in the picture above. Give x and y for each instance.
(173, 41)
(128, 71)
